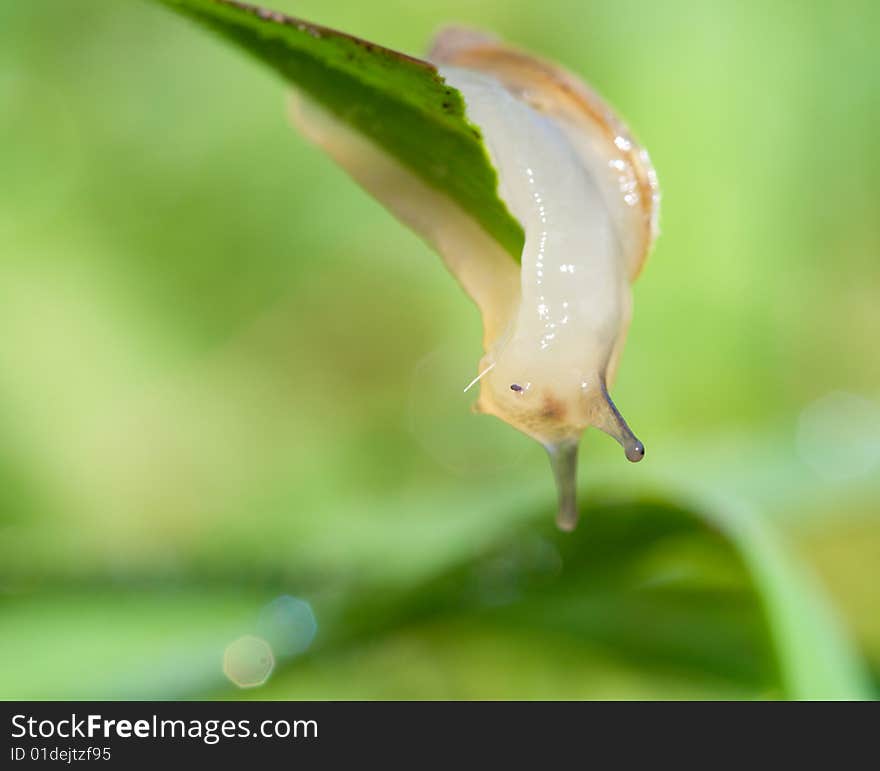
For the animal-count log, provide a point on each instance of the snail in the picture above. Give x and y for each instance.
(587, 197)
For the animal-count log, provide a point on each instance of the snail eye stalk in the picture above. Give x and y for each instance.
(516, 387)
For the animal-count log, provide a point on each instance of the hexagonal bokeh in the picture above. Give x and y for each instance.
(248, 661)
(289, 624)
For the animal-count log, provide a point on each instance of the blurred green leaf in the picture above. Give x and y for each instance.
(645, 600)
(399, 102)
(658, 589)
(816, 660)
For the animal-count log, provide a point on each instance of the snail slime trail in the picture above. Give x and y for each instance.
(587, 198)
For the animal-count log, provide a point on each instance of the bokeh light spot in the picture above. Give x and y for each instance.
(838, 436)
(440, 414)
(248, 661)
(289, 624)
(526, 563)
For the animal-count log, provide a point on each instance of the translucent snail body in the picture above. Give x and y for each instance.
(587, 199)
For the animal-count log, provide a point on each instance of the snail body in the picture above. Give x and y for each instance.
(587, 198)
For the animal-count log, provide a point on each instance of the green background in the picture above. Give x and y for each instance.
(228, 375)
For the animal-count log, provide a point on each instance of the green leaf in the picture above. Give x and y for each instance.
(400, 103)
(815, 658)
(645, 600)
